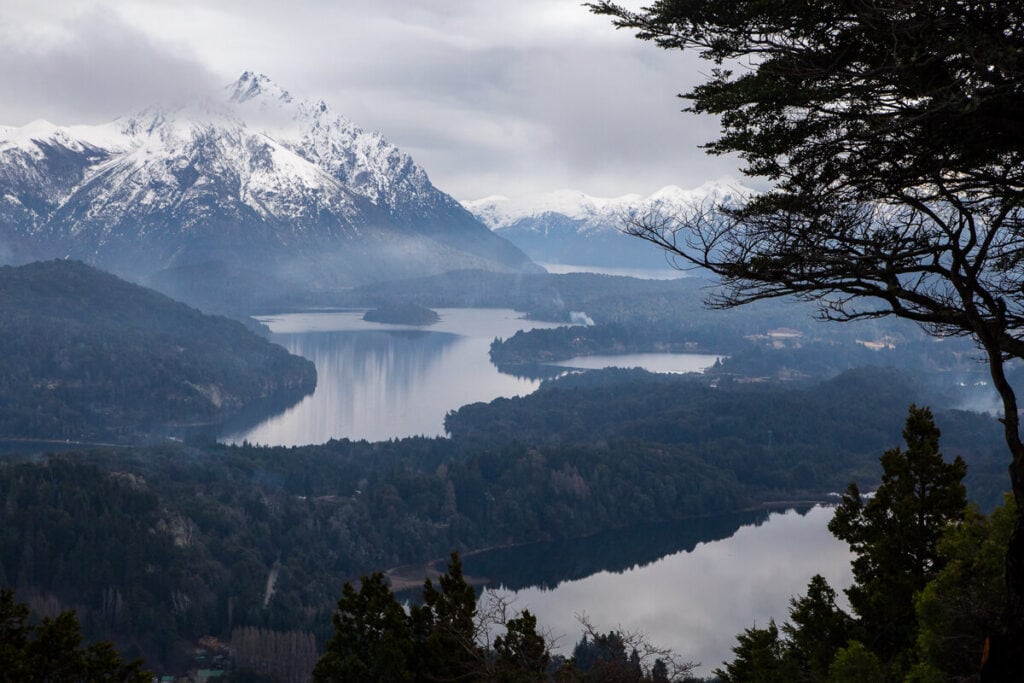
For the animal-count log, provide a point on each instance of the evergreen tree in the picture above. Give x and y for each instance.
(445, 627)
(52, 652)
(522, 652)
(895, 535)
(817, 629)
(371, 641)
(761, 657)
(956, 607)
(855, 664)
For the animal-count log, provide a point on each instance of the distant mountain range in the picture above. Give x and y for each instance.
(258, 179)
(570, 227)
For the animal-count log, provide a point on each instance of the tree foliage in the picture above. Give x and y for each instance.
(892, 134)
(372, 639)
(895, 534)
(956, 607)
(52, 651)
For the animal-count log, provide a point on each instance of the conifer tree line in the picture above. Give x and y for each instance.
(449, 638)
(284, 656)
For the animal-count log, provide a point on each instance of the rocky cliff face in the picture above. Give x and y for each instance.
(258, 179)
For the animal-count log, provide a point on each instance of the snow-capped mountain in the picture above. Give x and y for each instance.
(570, 227)
(259, 179)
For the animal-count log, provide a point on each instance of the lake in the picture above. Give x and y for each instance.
(674, 363)
(690, 586)
(379, 382)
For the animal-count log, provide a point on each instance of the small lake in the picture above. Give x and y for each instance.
(674, 363)
(690, 586)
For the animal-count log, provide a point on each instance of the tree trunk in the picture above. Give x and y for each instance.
(1003, 658)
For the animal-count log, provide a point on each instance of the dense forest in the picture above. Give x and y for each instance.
(402, 314)
(159, 546)
(87, 356)
(926, 582)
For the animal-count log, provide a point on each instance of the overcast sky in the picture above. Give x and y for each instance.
(490, 97)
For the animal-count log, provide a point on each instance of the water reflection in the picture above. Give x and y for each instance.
(378, 382)
(546, 565)
(694, 600)
(674, 363)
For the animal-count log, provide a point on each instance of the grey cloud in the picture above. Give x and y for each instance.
(526, 96)
(105, 69)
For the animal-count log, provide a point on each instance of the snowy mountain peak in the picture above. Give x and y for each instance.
(254, 176)
(252, 85)
(498, 212)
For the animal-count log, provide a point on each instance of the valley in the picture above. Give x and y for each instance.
(276, 407)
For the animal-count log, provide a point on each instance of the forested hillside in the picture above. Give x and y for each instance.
(159, 546)
(87, 356)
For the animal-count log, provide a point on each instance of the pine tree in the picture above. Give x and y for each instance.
(895, 535)
(52, 651)
(445, 627)
(522, 652)
(371, 640)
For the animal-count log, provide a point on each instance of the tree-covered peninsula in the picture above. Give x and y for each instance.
(87, 356)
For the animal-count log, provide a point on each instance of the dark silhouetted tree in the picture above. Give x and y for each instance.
(445, 626)
(760, 656)
(895, 535)
(817, 629)
(522, 652)
(371, 641)
(52, 651)
(893, 135)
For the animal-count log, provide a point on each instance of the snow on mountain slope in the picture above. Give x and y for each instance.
(600, 213)
(570, 227)
(258, 178)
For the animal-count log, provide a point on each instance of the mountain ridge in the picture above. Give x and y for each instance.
(257, 178)
(571, 227)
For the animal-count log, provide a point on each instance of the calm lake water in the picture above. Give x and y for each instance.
(674, 363)
(690, 586)
(379, 382)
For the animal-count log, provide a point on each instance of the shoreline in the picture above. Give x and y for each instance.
(411, 576)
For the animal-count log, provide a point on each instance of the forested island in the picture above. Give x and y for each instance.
(404, 313)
